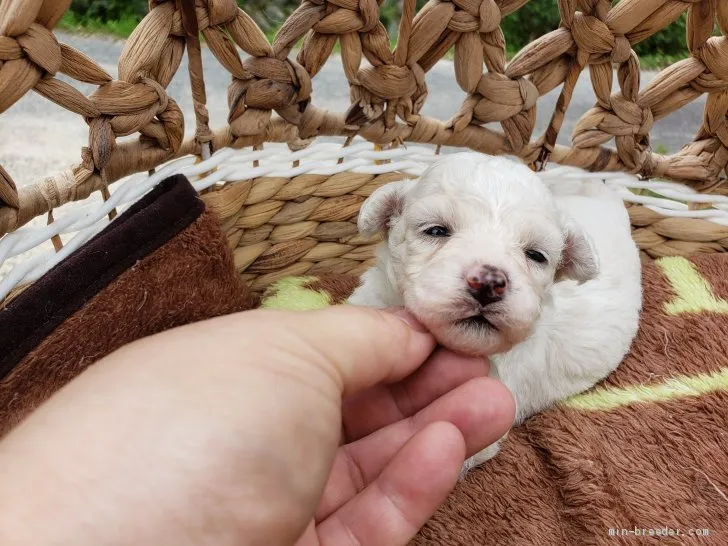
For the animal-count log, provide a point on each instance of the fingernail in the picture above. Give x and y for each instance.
(408, 319)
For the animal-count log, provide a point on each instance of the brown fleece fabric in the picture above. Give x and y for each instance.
(190, 278)
(567, 476)
(149, 223)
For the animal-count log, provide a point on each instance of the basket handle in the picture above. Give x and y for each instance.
(203, 134)
(8, 190)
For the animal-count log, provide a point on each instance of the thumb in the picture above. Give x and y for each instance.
(360, 346)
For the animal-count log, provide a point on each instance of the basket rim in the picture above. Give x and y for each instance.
(229, 167)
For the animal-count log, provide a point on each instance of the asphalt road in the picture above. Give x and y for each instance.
(38, 138)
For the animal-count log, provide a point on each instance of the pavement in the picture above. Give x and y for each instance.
(38, 138)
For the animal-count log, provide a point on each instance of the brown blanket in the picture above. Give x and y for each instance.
(645, 453)
(642, 456)
(161, 264)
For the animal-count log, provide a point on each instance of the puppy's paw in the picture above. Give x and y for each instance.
(479, 458)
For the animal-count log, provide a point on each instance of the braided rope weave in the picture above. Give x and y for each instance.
(276, 222)
(295, 213)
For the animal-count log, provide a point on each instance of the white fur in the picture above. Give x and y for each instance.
(562, 326)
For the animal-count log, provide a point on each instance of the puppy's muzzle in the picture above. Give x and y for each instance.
(487, 284)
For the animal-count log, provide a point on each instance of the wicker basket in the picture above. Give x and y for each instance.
(292, 210)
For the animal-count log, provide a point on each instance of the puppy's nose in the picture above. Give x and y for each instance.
(487, 284)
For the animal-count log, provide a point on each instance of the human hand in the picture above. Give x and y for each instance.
(230, 432)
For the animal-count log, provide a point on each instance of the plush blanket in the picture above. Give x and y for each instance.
(643, 454)
(641, 457)
(163, 263)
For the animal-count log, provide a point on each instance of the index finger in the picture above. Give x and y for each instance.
(393, 508)
(385, 404)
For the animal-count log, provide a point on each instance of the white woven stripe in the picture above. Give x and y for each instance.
(81, 221)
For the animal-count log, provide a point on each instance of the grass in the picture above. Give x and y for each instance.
(658, 61)
(124, 27)
(661, 149)
(119, 29)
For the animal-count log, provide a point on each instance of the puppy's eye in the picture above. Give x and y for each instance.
(437, 231)
(536, 256)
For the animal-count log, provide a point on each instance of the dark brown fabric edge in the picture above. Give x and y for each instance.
(143, 228)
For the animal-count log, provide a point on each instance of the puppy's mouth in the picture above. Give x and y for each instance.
(478, 322)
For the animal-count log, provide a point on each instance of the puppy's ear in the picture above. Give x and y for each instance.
(381, 206)
(579, 260)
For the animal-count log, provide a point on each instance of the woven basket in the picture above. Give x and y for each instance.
(291, 210)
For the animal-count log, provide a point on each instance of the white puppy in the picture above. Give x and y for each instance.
(544, 282)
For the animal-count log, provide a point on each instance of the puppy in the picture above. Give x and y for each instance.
(494, 263)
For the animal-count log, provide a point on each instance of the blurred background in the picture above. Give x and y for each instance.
(119, 17)
(39, 138)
